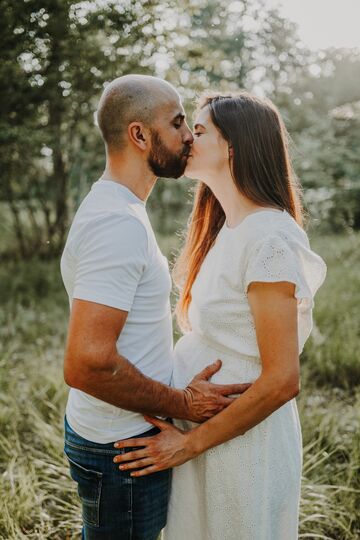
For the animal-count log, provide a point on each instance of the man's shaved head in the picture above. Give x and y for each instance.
(131, 98)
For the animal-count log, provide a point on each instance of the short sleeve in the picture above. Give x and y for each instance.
(276, 258)
(110, 261)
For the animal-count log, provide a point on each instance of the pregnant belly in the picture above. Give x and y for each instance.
(193, 353)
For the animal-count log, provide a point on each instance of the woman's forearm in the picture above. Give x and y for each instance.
(173, 447)
(264, 397)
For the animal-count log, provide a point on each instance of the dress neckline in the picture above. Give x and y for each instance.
(251, 215)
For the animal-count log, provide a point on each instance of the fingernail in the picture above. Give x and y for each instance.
(116, 445)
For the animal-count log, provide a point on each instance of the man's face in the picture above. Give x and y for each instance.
(171, 141)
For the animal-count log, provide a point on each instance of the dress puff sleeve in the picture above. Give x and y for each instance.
(285, 257)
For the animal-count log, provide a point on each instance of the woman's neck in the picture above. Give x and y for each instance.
(235, 205)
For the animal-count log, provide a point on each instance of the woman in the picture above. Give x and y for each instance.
(247, 281)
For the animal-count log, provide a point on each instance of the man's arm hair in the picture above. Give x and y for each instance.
(93, 365)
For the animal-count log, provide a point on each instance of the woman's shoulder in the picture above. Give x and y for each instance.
(259, 227)
(286, 227)
(279, 250)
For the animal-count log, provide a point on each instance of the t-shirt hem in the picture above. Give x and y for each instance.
(103, 300)
(116, 435)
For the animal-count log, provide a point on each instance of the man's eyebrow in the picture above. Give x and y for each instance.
(199, 125)
(179, 116)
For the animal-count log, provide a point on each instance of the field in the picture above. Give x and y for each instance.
(38, 498)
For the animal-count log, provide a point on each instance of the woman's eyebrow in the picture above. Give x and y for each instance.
(199, 125)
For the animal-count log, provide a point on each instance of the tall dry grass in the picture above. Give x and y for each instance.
(38, 499)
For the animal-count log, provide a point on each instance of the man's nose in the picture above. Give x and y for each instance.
(188, 138)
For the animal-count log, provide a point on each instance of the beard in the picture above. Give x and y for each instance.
(163, 162)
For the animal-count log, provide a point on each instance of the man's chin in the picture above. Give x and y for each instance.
(182, 169)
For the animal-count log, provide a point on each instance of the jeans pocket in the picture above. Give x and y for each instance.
(89, 489)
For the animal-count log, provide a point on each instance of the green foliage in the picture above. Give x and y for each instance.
(326, 130)
(234, 45)
(57, 55)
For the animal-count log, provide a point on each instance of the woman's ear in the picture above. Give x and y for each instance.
(138, 135)
(231, 151)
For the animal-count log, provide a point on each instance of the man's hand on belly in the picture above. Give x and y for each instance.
(94, 366)
(205, 399)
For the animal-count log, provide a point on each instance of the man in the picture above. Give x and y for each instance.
(118, 354)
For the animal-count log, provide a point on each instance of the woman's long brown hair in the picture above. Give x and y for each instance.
(262, 172)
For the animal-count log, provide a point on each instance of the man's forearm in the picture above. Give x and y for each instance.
(123, 385)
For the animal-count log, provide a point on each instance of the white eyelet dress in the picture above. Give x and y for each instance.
(247, 488)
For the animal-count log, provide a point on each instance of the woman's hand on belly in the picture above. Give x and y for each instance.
(170, 448)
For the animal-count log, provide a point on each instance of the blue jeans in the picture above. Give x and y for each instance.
(115, 506)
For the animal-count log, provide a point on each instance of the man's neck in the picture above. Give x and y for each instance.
(133, 175)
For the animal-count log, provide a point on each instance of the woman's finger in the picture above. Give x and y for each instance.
(136, 464)
(128, 443)
(161, 424)
(128, 456)
(148, 470)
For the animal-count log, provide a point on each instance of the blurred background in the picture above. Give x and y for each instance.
(56, 58)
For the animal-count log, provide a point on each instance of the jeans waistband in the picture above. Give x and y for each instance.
(72, 439)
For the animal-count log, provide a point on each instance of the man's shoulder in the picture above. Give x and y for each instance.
(99, 202)
(104, 228)
(110, 224)
(109, 211)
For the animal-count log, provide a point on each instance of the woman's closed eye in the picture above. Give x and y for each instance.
(197, 134)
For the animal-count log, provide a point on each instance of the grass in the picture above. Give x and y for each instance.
(333, 350)
(39, 500)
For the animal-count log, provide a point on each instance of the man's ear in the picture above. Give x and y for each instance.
(138, 135)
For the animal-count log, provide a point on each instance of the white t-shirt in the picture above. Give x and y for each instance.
(111, 257)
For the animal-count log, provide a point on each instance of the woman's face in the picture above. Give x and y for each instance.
(209, 154)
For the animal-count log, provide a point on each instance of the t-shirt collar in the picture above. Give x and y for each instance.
(120, 188)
